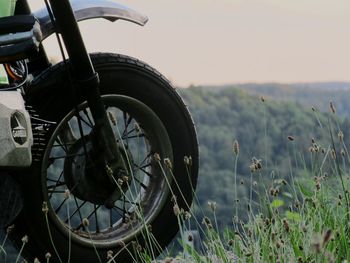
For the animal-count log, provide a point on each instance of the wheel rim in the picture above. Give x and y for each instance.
(142, 136)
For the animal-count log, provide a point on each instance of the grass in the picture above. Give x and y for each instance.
(299, 219)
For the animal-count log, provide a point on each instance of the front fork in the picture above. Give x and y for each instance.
(86, 78)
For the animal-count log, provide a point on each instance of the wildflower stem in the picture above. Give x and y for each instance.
(50, 235)
(236, 192)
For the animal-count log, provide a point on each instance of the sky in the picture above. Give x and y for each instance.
(214, 42)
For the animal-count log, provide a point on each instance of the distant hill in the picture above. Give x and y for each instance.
(317, 95)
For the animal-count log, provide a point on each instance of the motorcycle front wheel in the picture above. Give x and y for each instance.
(76, 210)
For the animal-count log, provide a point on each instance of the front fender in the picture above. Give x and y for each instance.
(88, 9)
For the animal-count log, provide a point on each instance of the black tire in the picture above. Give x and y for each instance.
(51, 96)
(11, 201)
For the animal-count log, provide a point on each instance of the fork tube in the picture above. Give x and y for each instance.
(84, 73)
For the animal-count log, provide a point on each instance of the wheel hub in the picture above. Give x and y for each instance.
(89, 177)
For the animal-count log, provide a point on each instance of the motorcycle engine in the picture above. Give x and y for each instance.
(16, 137)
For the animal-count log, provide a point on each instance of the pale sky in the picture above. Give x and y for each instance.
(233, 41)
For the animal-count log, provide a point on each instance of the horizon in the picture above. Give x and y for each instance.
(202, 42)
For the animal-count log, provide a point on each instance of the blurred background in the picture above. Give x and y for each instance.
(232, 41)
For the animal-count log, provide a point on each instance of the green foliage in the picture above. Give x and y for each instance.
(266, 129)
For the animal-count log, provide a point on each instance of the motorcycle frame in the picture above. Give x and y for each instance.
(82, 74)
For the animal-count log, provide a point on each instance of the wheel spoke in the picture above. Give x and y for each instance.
(66, 136)
(54, 186)
(124, 209)
(127, 121)
(60, 206)
(85, 122)
(67, 156)
(56, 191)
(97, 227)
(88, 117)
(58, 180)
(76, 210)
(110, 217)
(142, 184)
(133, 203)
(89, 216)
(62, 145)
(117, 209)
(144, 160)
(66, 144)
(134, 136)
(126, 134)
(142, 168)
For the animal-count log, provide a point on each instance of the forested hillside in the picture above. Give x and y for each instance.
(279, 133)
(317, 95)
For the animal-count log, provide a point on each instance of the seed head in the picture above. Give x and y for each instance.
(109, 254)
(168, 163)
(120, 182)
(45, 208)
(190, 238)
(176, 210)
(255, 165)
(187, 215)
(318, 185)
(25, 239)
(109, 171)
(262, 99)
(341, 136)
(112, 119)
(327, 237)
(333, 154)
(66, 194)
(188, 160)
(36, 260)
(291, 138)
(278, 244)
(120, 243)
(86, 222)
(206, 221)
(286, 225)
(332, 107)
(137, 127)
(273, 236)
(212, 206)
(48, 255)
(156, 157)
(342, 152)
(9, 229)
(236, 147)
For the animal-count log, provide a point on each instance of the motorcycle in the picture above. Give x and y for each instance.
(97, 150)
